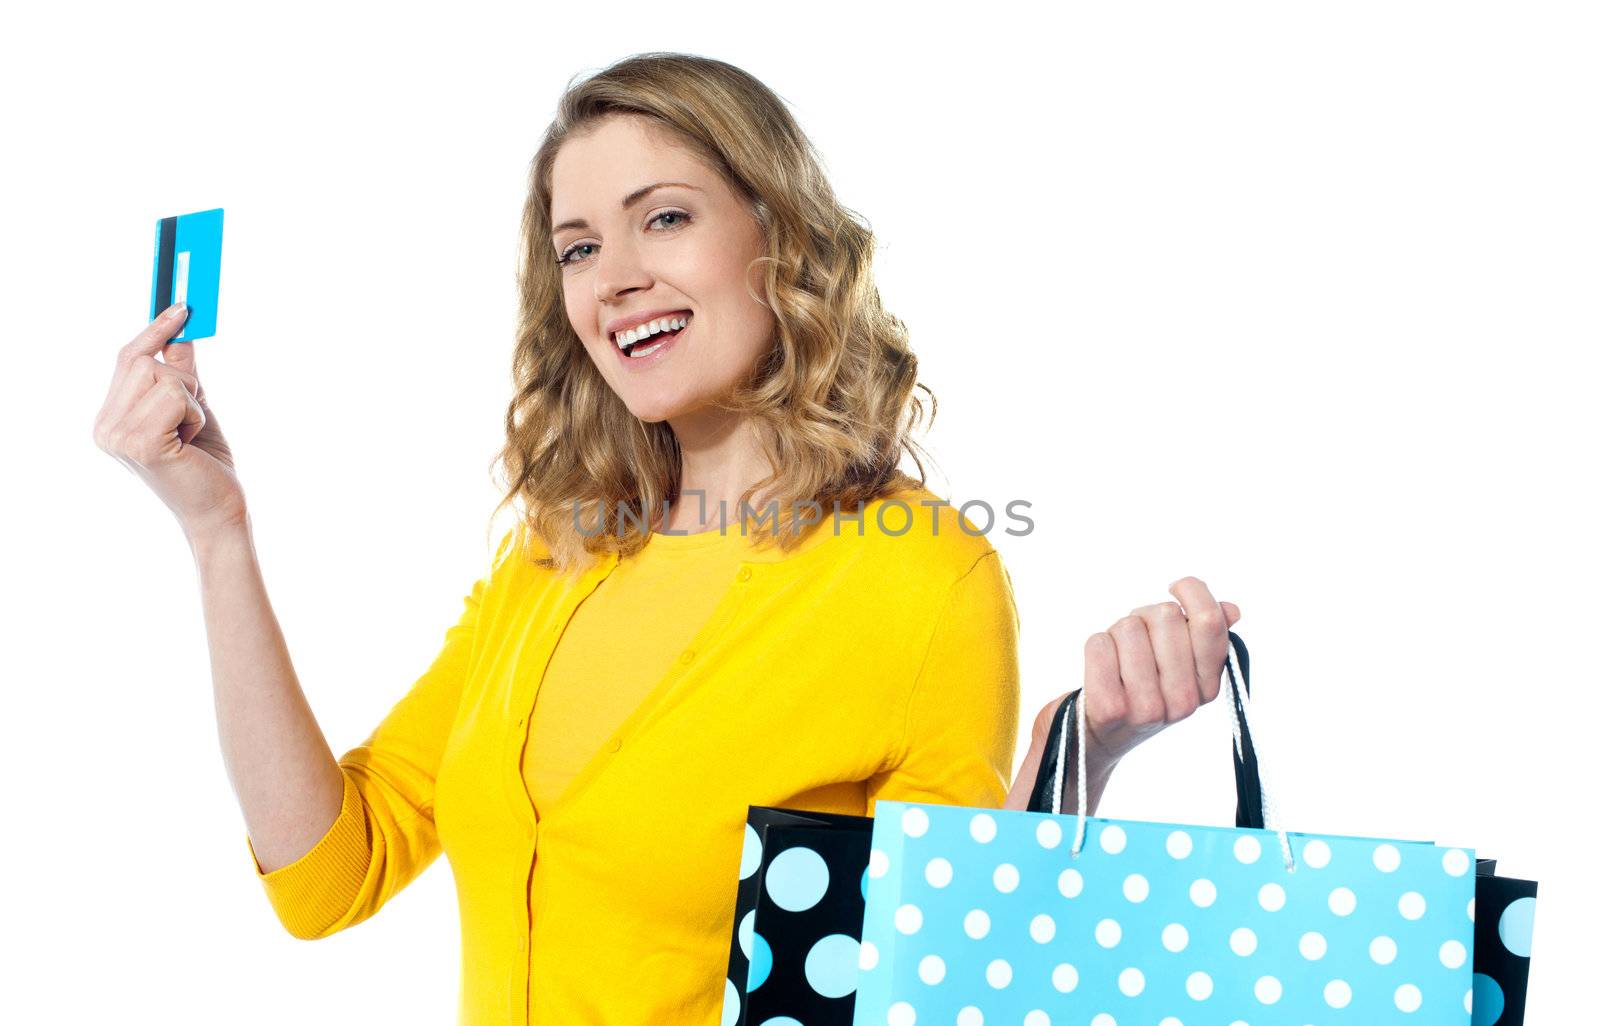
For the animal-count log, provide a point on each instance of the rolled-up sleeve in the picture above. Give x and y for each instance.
(384, 836)
(960, 730)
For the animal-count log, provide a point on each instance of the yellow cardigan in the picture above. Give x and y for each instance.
(859, 667)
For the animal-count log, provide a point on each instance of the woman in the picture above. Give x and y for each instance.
(635, 670)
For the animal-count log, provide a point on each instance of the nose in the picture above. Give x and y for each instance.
(618, 271)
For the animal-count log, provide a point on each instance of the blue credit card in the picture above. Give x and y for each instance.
(188, 269)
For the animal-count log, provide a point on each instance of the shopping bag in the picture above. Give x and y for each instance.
(1005, 916)
(775, 965)
(1503, 935)
(797, 918)
(778, 965)
(1503, 911)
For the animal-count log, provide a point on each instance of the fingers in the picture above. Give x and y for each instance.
(1141, 673)
(133, 382)
(1206, 624)
(141, 349)
(1155, 666)
(138, 370)
(147, 432)
(1103, 701)
(155, 334)
(1176, 683)
(179, 355)
(194, 419)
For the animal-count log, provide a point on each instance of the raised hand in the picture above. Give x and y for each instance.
(155, 421)
(1147, 671)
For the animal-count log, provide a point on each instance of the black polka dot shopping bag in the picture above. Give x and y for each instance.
(797, 918)
(953, 915)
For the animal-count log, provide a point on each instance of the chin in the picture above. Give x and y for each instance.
(654, 410)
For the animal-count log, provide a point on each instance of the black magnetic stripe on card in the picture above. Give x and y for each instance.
(166, 252)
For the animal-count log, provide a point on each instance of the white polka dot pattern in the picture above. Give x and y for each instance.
(1155, 923)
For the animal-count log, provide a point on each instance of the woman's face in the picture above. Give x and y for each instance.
(674, 250)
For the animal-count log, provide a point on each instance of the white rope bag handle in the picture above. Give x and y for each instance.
(1234, 697)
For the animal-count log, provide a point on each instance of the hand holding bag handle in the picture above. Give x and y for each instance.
(1252, 808)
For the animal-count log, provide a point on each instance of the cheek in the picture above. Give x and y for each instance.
(726, 275)
(713, 265)
(581, 318)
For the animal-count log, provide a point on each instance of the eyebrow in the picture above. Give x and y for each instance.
(627, 201)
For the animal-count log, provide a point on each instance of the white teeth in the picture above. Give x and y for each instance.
(632, 335)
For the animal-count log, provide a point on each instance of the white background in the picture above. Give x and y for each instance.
(1299, 299)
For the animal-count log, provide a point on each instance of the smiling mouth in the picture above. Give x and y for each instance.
(645, 346)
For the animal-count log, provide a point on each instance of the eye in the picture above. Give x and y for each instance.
(567, 255)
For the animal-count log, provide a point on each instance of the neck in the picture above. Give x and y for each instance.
(721, 458)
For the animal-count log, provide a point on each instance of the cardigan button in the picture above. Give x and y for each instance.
(744, 574)
(687, 657)
(614, 745)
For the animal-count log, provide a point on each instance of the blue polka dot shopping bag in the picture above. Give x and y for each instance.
(796, 957)
(1011, 918)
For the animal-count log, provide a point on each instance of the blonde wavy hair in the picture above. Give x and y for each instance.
(833, 398)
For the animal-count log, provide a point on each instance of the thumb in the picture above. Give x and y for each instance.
(153, 339)
(1230, 611)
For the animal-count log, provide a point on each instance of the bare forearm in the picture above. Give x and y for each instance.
(1097, 787)
(1099, 775)
(286, 778)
